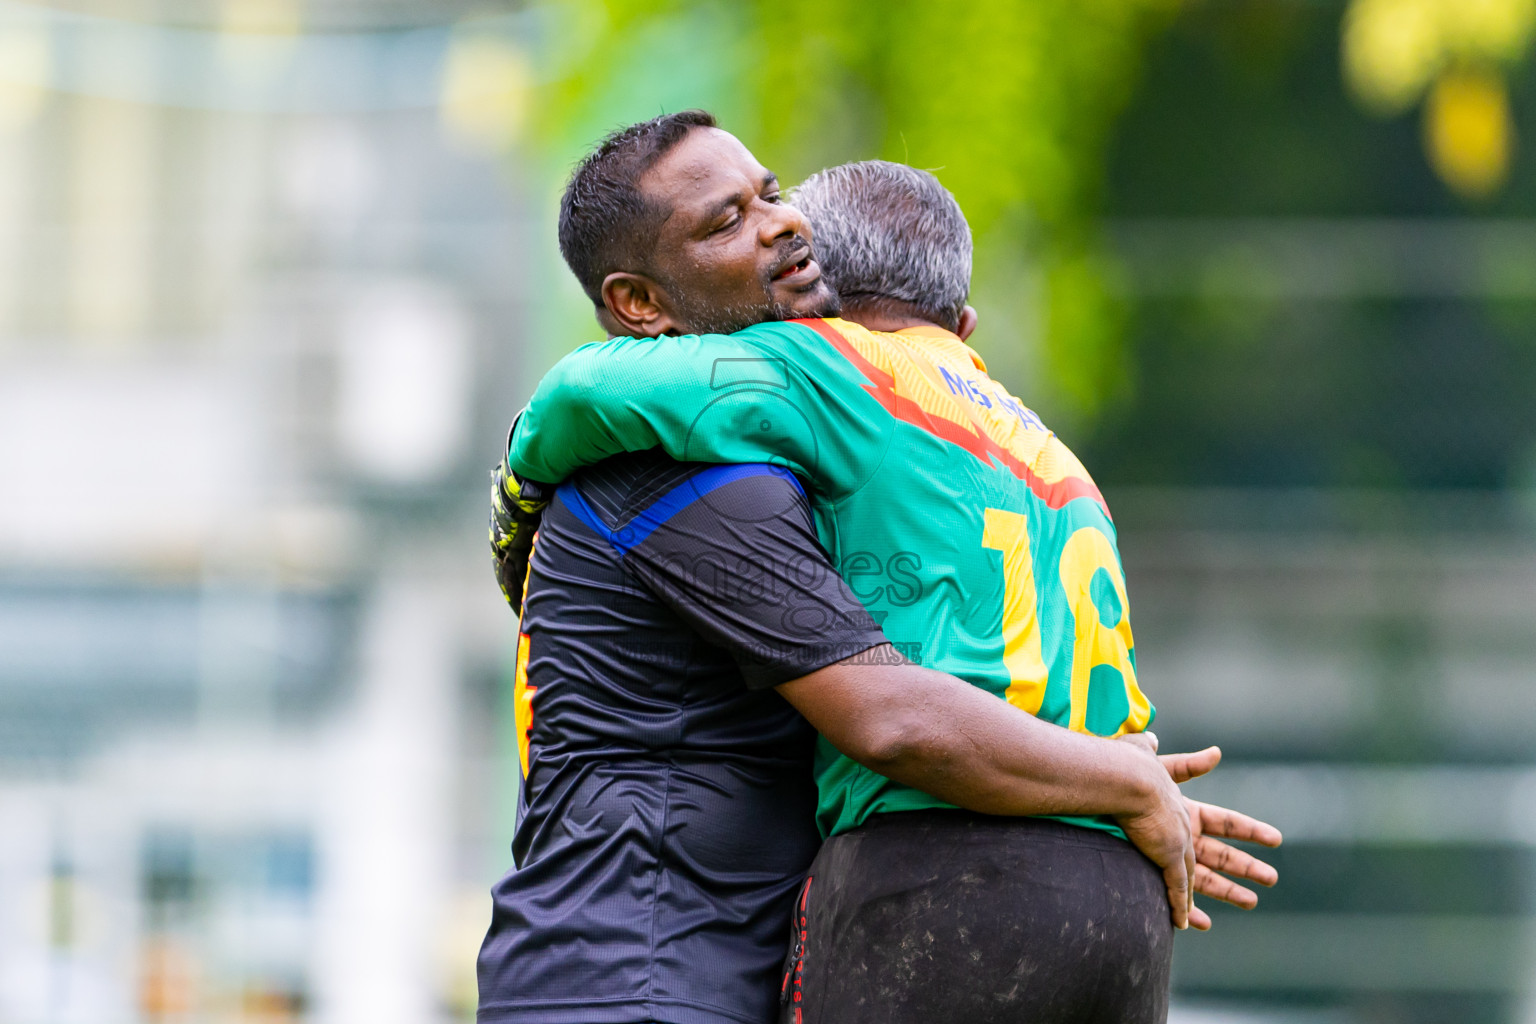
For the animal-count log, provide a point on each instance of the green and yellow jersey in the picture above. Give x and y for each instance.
(972, 534)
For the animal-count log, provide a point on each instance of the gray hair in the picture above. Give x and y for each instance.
(888, 231)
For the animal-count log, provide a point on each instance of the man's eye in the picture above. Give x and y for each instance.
(773, 198)
(726, 225)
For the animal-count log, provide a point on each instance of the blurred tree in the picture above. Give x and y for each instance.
(1268, 349)
(1011, 104)
(1455, 51)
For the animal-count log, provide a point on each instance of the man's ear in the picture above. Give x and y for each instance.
(967, 322)
(608, 324)
(636, 305)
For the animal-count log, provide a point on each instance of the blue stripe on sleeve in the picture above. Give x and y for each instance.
(645, 523)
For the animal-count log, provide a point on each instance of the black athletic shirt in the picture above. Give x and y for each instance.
(668, 810)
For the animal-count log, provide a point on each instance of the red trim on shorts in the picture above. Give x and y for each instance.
(798, 972)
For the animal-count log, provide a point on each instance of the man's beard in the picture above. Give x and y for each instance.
(703, 318)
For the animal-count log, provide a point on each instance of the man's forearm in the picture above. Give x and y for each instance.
(983, 754)
(933, 732)
(694, 397)
(562, 429)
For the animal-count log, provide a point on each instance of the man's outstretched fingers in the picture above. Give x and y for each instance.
(1183, 767)
(1199, 920)
(1228, 824)
(1219, 887)
(1176, 877)
(1218, 856)
(1190, 864)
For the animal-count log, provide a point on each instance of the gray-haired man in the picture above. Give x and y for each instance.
(947, 914)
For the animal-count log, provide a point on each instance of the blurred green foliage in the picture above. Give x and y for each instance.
(1418, 376)
(1048, 118)
(1011, 104)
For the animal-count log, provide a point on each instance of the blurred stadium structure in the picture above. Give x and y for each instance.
(256, 306)
(275, 275)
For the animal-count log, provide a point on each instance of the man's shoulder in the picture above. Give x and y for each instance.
(673, 344)
(718, 359)
(627, 366)
(947, 378)
(619, 487)
(644, 489)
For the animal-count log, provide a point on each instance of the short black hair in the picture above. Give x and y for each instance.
(606, 224)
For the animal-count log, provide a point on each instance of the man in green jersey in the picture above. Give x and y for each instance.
(940, 494)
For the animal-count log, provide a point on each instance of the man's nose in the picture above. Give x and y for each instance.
(784, 221)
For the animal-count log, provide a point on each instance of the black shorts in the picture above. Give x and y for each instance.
(938, 916)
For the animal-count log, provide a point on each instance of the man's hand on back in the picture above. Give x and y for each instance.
(516, 508)
(941, 735)
(1207, 822)
(1160, 827)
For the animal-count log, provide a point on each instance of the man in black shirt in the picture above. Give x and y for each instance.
(668, 811)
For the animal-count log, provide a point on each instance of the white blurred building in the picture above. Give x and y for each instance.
(261, 294)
